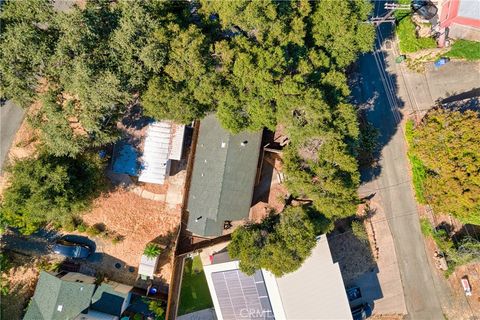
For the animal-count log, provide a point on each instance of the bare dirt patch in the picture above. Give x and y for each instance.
(25, 143)
(138, 221)
(22, 278)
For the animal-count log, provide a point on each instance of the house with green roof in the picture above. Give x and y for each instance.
(223, 178)
(56, 298)
(72, 295)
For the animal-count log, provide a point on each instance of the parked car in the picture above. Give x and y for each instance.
(72, 249)
(361, 312)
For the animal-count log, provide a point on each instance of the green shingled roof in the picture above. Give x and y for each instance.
(56, 299)
(223, 177)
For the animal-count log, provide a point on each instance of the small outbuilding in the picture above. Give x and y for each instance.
(147, 267)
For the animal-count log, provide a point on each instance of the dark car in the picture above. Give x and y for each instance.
(361, 312)
(71, 249)
(425, 8)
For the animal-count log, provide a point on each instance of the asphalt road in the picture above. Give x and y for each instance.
(392, 186)
(11, 118)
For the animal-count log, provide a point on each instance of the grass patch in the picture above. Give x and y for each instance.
(426, 227)
(464, 49)
(194, 294)
(419, 171)
(408, 40)
(419, 174)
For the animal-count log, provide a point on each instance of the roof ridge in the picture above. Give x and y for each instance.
(223, 177)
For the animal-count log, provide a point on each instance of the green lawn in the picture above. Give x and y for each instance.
(194, 294)
(464, 49)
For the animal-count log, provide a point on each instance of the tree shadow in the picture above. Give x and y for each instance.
(357, 264)
(374, 92)
(473, 94)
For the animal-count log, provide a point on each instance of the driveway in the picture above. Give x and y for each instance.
(11, 117)
(391, 181)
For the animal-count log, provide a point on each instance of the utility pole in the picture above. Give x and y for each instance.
(388, 17)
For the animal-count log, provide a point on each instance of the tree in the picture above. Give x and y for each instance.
(448, 144)
(185, 90)
(26, 44)
(280, 243)
(339, 28)
(50, 189)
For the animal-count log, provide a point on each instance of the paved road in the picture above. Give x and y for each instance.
(11, 117)
(391, 182)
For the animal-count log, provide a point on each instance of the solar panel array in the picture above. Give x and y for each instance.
(242, 297)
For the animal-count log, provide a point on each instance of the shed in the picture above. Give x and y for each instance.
(147, 266)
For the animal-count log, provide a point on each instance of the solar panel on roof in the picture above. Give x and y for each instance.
(241, 296)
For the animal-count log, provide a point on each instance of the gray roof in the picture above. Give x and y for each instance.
(223, 177)
(57, 299)
(107, 300)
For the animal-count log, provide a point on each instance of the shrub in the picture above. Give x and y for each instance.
(157, 308)
(152, 250)
(49, 189)
(81, 227)
(93, 231)
(358, 230)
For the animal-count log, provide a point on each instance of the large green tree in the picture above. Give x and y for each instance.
(280, 243)
(50, 189)
(448, 144)
(26, 41)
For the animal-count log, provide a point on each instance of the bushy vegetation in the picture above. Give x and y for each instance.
(464, 49)
(48, 189)
(152, 250)
(157, 308)
(280, 243)
(358, 230)
(445, 154)
(457, 253)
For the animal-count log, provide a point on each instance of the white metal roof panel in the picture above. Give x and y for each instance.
(155, 166)
(177, 142)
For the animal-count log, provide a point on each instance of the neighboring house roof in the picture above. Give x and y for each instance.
(58, 299)
(110, 298)
(223, 177)
(316, 290)
(462, 12)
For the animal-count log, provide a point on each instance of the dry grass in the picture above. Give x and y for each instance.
(139, 221)
(23, 278)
